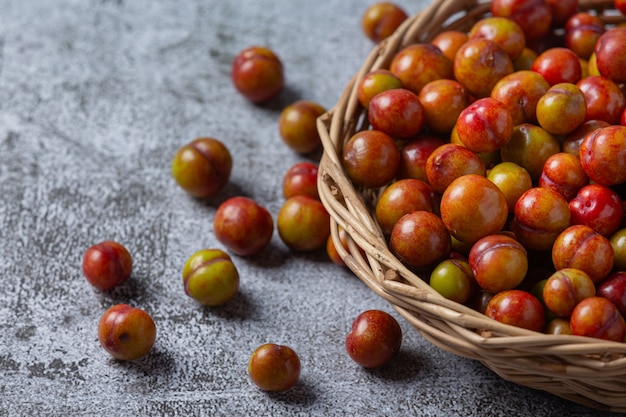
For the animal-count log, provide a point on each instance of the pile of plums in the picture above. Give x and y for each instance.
(500, 156)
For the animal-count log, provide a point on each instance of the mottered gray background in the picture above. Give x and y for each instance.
(95, 98)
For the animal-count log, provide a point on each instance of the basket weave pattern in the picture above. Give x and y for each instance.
(584, 370)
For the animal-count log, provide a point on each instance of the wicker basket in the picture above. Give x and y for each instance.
(584, 370)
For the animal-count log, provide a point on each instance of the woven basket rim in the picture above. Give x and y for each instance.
(581, 369)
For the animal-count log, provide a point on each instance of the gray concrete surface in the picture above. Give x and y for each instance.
(95, 97)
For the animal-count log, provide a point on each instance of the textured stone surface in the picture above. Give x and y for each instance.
(95, 97)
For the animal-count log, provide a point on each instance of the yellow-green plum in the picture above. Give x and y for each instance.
(512, 180)
(210, 277)
(454, 280)
(530, 146)
(561, 109)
